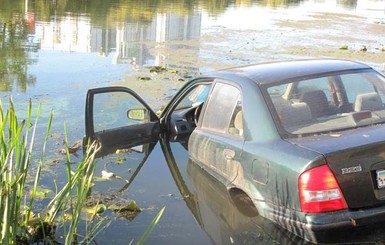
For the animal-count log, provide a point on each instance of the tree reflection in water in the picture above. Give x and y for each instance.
(17, 19)
(15, 44)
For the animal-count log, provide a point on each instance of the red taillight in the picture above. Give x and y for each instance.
(319, 191)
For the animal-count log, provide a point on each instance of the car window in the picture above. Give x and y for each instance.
(321, 83)
(355, 84)
(195, 97)
(221, 107)
(329, 103)
(278, 90)
(236, 121)
(111, 110)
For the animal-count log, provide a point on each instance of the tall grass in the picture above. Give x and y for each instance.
(15, 157)
(72, 197)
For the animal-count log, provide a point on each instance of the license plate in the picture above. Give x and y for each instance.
(380, 178)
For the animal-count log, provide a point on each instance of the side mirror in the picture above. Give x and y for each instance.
(139, 114)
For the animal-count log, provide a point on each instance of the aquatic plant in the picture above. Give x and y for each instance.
(149, 229)
(72, 197)
(16, 145)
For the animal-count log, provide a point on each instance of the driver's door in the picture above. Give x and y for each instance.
(117, 117)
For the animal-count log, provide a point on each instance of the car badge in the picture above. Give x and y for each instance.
(350, 170)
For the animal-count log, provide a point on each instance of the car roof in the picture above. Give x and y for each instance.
(264, 73)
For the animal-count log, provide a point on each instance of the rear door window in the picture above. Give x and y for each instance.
(220, 108)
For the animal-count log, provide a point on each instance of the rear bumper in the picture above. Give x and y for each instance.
(336, 227)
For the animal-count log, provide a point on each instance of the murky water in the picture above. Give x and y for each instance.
(52, 53)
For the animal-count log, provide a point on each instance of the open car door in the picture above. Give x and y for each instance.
(118, 118)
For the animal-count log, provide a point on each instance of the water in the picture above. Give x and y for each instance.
(53, 52)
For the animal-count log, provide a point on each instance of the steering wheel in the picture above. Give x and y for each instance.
(197, 113)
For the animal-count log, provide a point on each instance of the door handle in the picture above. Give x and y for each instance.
(228, 154)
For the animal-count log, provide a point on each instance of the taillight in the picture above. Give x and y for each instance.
(319, 191)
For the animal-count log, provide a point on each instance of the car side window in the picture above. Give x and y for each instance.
(321, 83)
(221, 108)
(236, 122)
(356, 84)
(195, 97)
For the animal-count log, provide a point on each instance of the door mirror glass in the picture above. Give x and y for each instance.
(138, 114)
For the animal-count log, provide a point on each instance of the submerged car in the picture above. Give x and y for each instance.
(304, 139)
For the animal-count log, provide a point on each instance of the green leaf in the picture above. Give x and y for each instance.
(42, 192)
(131, 206)
(96, 209)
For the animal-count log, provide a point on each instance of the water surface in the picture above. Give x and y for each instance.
(52, 53)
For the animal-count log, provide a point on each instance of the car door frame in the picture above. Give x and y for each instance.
(120, 137)
(157, 126)
(185, 89)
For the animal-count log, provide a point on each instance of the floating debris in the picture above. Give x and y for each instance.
(123, 151)
(73, 148)
(157, 69)
(95, 209)
(144, 78)
(344, 47)
(120, 207)
(42, 192)
(335, 135)
(120, 160)
(107, 175)
(363, 48)
(128, 211)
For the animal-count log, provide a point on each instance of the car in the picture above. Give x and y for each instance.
(303, 139)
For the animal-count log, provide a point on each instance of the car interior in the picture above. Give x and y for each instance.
(308, 107)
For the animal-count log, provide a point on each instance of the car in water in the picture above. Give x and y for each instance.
(303, 139)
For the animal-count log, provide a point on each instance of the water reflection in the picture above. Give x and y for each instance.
(352, 4)
(115, 193)
(16, 44)
(123, 31)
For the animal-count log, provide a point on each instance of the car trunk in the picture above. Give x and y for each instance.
(356, 158)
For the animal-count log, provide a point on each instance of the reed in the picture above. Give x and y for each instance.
(16, 144)
(73, 196)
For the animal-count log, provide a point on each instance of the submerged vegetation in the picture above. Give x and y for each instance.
(60, 220)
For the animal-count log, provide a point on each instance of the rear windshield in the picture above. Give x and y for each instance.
(329, 103)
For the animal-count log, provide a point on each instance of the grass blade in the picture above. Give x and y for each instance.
(151, 227)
